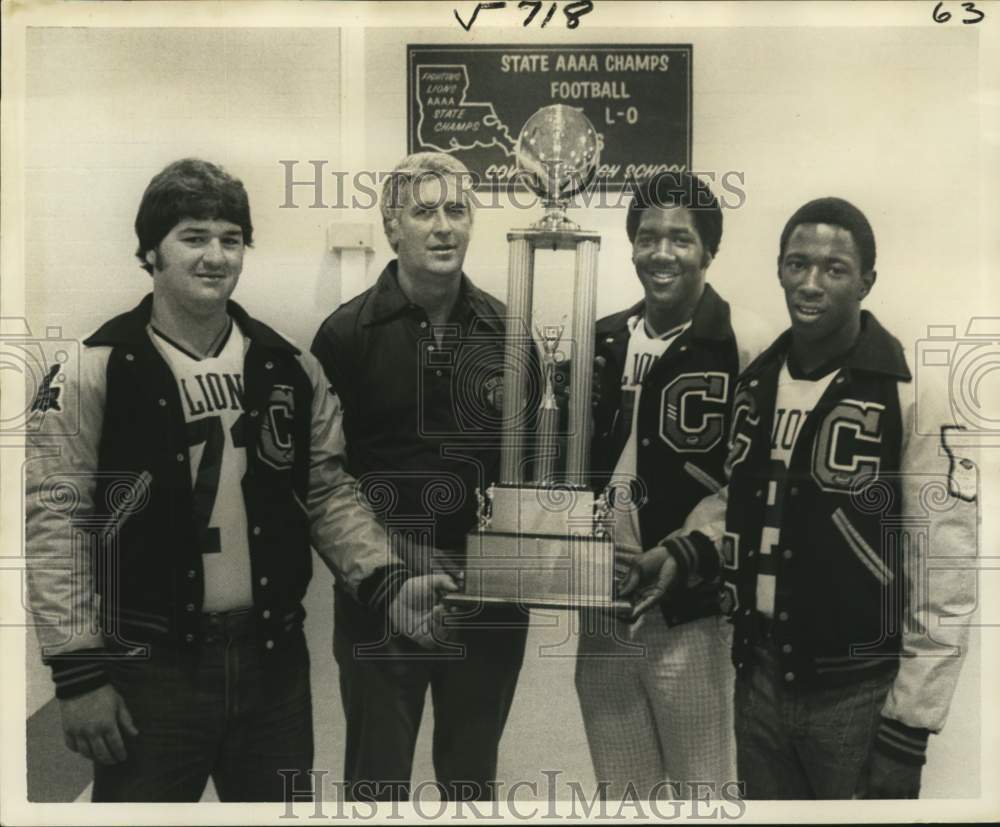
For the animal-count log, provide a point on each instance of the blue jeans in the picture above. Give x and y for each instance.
(224, 715)
(803, 743)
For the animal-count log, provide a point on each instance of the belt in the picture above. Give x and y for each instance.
(236, 623)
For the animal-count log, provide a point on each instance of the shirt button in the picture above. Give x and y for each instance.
(256, 531)
(430, 348)
(269, 365)
(423, 324)
(438, 373)
(839, 379)
(129, 357)
(739, 665)
(795, 491)
(180, 457)
(645, 442)
(782, 615)
(253, 414)
(759, 493)
(189, 637)
(753, 383)
(747, 612)
(189, 607)
(163, 403)
(787, 554)
(683, 348)
(263, 581)
(746, 641)
(787, 648)
(192, 574)
(265, 614)
(751, 553)
(789, 677)
(269, 644)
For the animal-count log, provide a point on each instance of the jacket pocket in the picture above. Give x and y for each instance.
(864, 552)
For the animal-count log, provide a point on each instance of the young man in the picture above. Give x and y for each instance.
(418, 361)
(656, 697)
(210, 456)
(835, 504)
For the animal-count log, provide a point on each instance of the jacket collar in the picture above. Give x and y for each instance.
(389, 301)
(130, 328)
(876, 351)
(710, 321)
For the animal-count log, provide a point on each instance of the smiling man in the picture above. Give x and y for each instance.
(656, 698)
(210, 456)
(418, 361)
(834, 507)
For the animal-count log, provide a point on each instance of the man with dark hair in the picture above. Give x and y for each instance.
(843, 665)
(418, 361)
(656, 698)
(210, 455)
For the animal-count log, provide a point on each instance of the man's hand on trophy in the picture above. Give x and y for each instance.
(649, 578)
(417, 611)
(562, 383)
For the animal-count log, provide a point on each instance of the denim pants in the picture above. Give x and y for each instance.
(803, 743)
(223, 715)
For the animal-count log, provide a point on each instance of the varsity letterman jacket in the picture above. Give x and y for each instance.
(878, 531)
(113, 520)
(682, 423)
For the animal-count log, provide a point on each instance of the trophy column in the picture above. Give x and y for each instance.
(581, 375)
(520, 286)
(520, 283)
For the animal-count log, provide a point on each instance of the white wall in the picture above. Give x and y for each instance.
(108, 108)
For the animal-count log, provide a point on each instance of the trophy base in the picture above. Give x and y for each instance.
(539, 551)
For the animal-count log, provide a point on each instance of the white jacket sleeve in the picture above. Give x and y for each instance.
(60, 481)
(344, 530)
(940, 490)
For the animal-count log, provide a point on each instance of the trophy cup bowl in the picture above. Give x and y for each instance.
(558, 152)
(545, 539)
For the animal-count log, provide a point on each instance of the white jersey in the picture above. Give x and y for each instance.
(211, 392)
(794, 400)
(643, 352)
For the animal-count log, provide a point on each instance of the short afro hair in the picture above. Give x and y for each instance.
(189, 188)
(838, 213)
(678, 189)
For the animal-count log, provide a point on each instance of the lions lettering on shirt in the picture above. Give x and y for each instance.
(643, 352)
(211, 393)
(795, 399)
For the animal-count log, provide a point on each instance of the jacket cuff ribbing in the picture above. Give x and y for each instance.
(76, 673)
(906, 744)
(379, 589)
(694, 553)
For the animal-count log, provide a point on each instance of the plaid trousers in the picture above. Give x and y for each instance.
(657, 704)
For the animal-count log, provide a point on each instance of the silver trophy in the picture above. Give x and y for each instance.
(544, 541)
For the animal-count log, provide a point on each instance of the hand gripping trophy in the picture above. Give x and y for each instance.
(544, 541)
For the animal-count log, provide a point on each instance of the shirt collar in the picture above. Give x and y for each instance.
(473, 304)
(710, 320)
(130, 328)
(876, 351)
